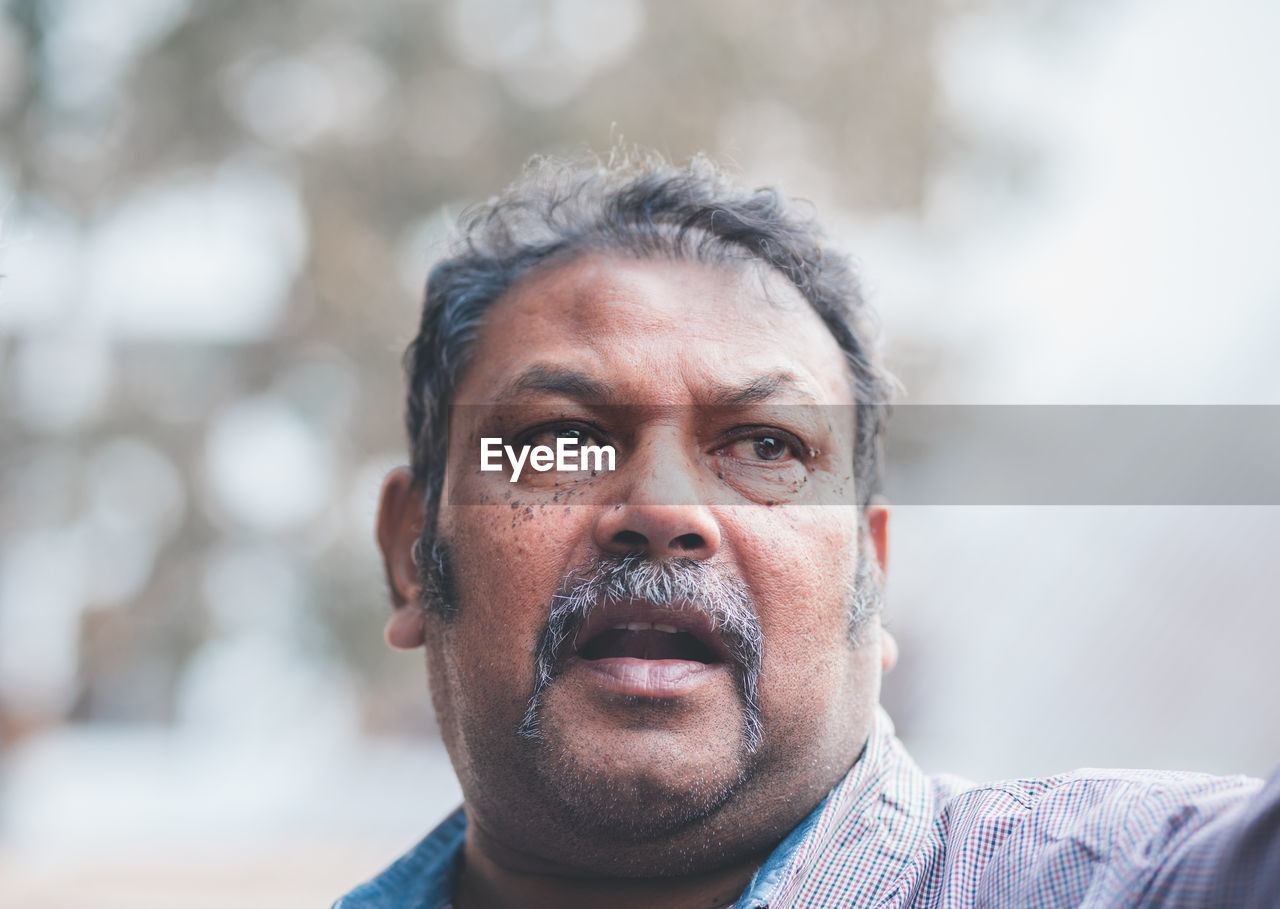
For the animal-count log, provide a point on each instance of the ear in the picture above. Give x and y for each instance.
(888, 650)
(400, 517)
(877, 517)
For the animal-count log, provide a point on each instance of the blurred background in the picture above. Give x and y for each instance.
(217, 218)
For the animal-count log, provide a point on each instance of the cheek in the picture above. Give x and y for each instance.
(798, 563)
(508, 560)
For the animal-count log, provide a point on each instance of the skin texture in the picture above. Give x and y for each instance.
(635, 801)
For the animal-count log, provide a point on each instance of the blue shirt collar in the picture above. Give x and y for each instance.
(777, 867)
(423, 877)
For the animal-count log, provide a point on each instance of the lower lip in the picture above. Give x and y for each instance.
(648, 678)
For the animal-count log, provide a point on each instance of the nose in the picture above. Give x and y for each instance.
(661, 514)
(659, 531)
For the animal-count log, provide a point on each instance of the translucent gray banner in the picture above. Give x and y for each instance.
(800, 454)
(1083, 455)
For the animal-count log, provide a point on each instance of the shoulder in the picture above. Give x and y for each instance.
(1068, 798)
(1097, 834)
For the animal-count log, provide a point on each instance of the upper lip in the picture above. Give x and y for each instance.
(681, 616)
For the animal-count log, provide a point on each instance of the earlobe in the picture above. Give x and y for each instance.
(400, 517)
(404, 629)
(888, 650)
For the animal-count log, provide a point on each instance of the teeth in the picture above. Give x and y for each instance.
(646, 626)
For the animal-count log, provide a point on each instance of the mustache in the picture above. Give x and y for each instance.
(689, 584)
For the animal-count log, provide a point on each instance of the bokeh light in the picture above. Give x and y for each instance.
(215, 226)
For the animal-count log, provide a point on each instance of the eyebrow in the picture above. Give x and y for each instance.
(556, 380)
(759, 389)
(561, 380)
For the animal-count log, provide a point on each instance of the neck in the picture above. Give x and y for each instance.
(492, 879)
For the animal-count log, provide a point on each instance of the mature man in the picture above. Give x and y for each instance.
(657, 677)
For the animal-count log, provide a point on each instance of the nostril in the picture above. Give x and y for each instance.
(688, 542)
(630, 538)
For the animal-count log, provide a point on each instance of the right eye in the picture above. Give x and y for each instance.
(562, 452)
(547, 435)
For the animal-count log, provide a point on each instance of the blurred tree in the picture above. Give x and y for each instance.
(247, 195)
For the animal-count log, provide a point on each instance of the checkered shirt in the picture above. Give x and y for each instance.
(890, 837)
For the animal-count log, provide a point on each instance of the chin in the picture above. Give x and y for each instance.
(639, 786)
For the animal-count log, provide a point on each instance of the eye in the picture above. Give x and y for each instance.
(570, 432)
(547, 435)
(768, 446)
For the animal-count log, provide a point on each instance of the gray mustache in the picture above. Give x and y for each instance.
(686, 584)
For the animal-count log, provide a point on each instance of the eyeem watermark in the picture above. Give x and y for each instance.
(566, 456)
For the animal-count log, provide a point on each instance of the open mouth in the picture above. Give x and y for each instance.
(632, 631)
(645, 652)
(647, 641)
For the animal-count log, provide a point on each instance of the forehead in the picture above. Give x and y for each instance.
(658, 331)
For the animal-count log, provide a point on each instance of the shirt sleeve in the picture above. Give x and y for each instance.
(1098, 839)
(1233, 859)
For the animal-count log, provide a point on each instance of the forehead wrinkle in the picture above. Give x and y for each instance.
(581, 305)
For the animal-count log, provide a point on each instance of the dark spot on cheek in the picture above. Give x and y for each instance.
(484, 500)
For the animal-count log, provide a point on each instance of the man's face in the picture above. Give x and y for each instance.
(712, 566)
